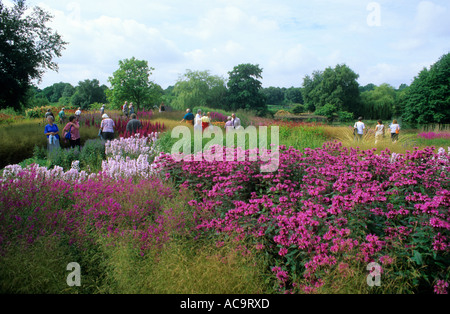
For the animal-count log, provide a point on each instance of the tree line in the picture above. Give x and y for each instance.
(28, 46)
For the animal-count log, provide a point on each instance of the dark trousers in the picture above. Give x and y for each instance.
(74, 143)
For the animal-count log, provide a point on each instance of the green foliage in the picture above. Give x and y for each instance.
(199, 88)
(427, 100)
(25, 40)
(131, 83)
(298, 109)
(92, 155)
(336, 87)
(88, 92)
(379, 103)
(328, 110)
(244, 89)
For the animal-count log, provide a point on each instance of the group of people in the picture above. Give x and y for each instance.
(202, 122)
(380, 130)
(127, 110)
(71, 130)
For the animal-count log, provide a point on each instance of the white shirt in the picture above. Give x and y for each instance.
(360, 127)
(236, 122)
(394, 127)
(78, 112)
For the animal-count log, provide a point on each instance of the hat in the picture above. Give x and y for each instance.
(105, 116)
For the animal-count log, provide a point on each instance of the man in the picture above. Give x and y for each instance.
(236, 122)
(49, 113)
(189, 117)
(134, 124)
(125, 109)
(62, 116)
(78, 113)
(359, 129)
(102, 110)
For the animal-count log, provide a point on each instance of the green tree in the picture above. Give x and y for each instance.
(131, 83)
(199, 88)
(244, 89)
(27, 48)
(274, 95)
(293, 95)
(337, 87)
(427, 100)
(87, 93)
(379, 103)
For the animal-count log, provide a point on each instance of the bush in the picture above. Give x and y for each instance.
(298, 109)
(92, 155)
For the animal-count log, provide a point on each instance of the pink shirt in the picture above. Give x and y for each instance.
(75, 133)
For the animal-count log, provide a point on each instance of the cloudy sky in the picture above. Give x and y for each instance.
(386, 41)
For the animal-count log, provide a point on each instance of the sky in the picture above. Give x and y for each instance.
(386, 41)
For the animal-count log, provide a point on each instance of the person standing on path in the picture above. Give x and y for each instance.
(74, 127)
(107, 128)
(395, 130)
(379, 132)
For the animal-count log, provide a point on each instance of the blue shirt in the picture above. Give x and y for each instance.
(189, 117)
(51, 128)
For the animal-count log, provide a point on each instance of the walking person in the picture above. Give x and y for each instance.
(206, 121)
(198, 121)
(359, 129)
(379, 131)
(62, 116)
(107, 128)
(78, 113)
(74, 128)
(102, 110)
(134, 124)
(52, 132)
(395, 130)
(131, 111)
(188, 117)
(125, 109)
(236, 122)
(162, 107)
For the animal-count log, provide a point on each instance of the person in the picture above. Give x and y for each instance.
(52, 132)
(206, 121)
(125, 109)
(62, 116)
(395, 130)
(74, 127)
(379, 131)
(162, 108)
(102, 110)
(134, 124)
(229, 122)
(236, 122)
(198, 121)
(78, 113)
(131, 111)
(359, 129)
(189, 117)
(49, 113)
(107, 127)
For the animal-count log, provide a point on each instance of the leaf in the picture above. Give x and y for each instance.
(417, 258)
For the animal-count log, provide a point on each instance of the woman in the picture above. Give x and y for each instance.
(162, 108)
(206, 121)
(74, 127)
(379, 132)
(395, 130)
(52, 133)
(198, 121)
(107, 128)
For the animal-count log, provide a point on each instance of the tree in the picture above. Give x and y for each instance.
(336, 87)
(131, 83)
(379, 102)
(88, 92)
(27, 48)
(199, 88)
(274, 95)
(244, 89)
(293, 95)
(427, 100)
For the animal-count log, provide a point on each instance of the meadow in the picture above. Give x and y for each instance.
(137, 220)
